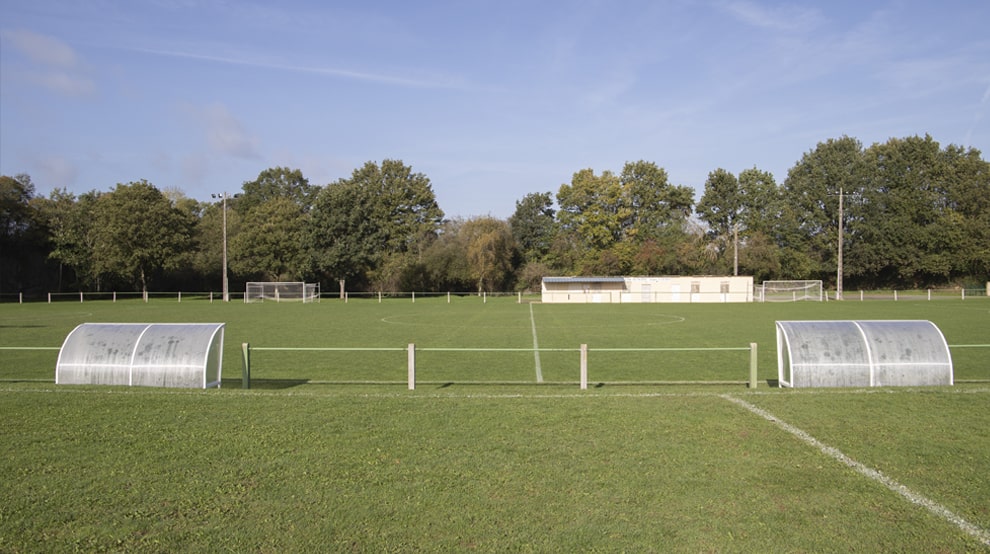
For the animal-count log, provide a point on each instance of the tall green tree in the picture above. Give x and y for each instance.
(742, 213)
(534, 225)
(208, 238)
(968, 194)
(20, 232)
(653, 206)
(760, 202)
(491, 250)
(593, 208)
(721, 207)
(276, 182)
(375, 223)
(273, 243)
(138, 233)
(444, 264)
(809, 221)
(908, 230)
(605, 215)
(72, 235)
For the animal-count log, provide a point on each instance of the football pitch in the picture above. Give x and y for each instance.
(497, 449)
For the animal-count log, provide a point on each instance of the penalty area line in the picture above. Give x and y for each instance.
(935, 508)
(536, 345)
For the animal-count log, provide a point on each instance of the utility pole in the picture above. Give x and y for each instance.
(735, 249)
(838, 274)
(226, 292)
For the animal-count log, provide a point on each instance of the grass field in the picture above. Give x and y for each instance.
(481, 457)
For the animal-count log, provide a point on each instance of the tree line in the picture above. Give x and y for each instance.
(911, 214)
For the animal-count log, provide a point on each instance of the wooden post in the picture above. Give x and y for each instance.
(411, 357)
(584, 367)
(752, 365)
(246, 361)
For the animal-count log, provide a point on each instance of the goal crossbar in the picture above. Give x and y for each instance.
(281, 291)
(790, 291)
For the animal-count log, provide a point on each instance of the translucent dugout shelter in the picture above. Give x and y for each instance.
(862, 354)
(175, 355)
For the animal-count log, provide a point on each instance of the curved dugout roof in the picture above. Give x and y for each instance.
(181, 355)
(862, 354)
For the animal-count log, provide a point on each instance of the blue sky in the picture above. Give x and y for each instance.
(490, 99)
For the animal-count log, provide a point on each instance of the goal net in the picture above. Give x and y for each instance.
(282, 292)
(789, 291)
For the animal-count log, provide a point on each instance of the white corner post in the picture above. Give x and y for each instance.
(411, 357)
(584, 367)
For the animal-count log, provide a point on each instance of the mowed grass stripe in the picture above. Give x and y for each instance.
(911, 496)
(147, 470)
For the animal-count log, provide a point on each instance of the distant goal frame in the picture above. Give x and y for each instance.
(795, 290)
(281, 291)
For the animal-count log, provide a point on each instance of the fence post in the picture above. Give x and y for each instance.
(584, 367)
(411, 356)
(752, 365)
(246, 360)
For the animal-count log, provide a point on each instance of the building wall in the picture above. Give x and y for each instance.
(676, 289)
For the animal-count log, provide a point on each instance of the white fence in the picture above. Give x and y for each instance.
(380, 296)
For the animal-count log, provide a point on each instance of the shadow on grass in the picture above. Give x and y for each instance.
(266, 384)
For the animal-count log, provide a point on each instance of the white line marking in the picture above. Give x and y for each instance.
(934, 507)
(536, 345)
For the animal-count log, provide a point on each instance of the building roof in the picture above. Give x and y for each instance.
(584, 279)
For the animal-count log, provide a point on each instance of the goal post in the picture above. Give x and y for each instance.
(790, 291)
(281, 291)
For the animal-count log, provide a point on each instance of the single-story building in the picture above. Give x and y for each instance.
(647, 289)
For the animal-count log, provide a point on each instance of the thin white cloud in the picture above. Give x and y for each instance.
(63, 83)
(789, 18)
(42, 49)
(54, 64)
(226, 135)
(328, 71)
(56, 171)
